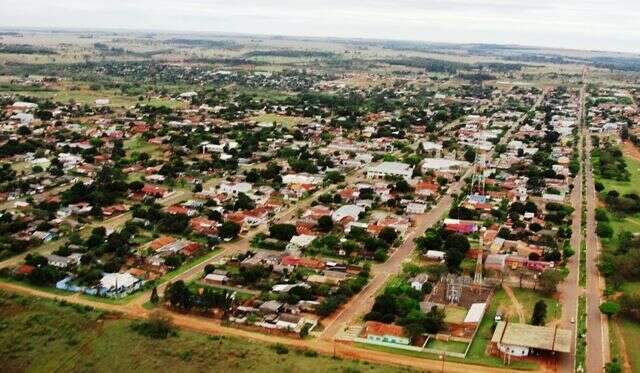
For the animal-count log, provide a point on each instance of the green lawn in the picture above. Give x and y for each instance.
(86, 96)
(454, 314)
(186, 266)
(631, 287)
(490, 361)
(451, 346)
(38, 335)
(285, 120)
(630, 332)
(478, 350)
(633, 166)
(137, 144)
(528, 299)
(629, 223)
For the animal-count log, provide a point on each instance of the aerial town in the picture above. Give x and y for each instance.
(236, 203)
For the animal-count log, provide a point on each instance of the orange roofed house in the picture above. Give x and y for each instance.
(161, 241)
(154, 191)
(380, 333)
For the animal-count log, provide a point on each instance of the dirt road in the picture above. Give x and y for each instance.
(213, 327)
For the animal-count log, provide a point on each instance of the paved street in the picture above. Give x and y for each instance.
(597, 327)
(570, 289)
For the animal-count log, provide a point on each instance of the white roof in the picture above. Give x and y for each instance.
(347, 210)
(475, 313)
(24, 105)
(117, 280)
(215, 277)
(392, 168)
(429, 145)
(302, 240)
(435, 254)
(441, 163)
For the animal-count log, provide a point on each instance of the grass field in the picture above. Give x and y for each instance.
(459, 347)
(87, 96)
(44, 336)
(630, 332)
(285, 120)
(630, 223)
(187, 265)
(527, 298)
(137, 144)
(455, 315)
(631, 287)
(633, 166)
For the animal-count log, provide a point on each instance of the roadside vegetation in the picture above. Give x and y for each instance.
(43, 335)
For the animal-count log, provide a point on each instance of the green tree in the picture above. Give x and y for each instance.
(243, 202)
(333, 177)
(435, 320)
(179, 295)
(282, 232)
(549, 280)
(613, 366)
(325, 223)
(610, 308)
(539, 313)
(604, 230)
(154, 296)
(229, 230)
(470, 155)
(388, 235)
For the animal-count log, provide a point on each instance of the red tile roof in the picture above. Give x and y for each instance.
(381, 329)
(161, 241)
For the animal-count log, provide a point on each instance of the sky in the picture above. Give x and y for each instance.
(610, 25)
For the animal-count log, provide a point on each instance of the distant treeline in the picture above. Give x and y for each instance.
(538, 58)
(115, 51)
(233, 61)
(499, 67)
(290, 53)
(203, 43)
(477, 77)
(429, 64)
(444, 66)
(24, 49)
(617, 63)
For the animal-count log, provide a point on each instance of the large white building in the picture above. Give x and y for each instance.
(383, 169)
(351, 211)
(442, 164)
(301, 179)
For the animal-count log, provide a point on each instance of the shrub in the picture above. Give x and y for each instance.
(604, 230)
(280, 349)
(158, 326)
(601, 214)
